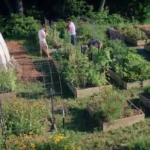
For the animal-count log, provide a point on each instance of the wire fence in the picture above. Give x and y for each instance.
(37, 79)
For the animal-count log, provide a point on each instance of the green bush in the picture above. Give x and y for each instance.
(7, 80)
(20, 25)
(25, 116)
(141, 143)
(109, 106)
(133, 33)
(147, 90)
(82, 73)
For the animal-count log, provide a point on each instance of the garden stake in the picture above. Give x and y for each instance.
(52, 107)
(63, 113)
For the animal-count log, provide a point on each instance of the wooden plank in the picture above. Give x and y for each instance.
(81, 93)
(124, 122)
(127, 85)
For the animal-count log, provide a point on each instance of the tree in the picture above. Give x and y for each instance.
(19, 6)
(102, 4)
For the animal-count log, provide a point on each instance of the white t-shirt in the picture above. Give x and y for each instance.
(72, 30)
(42, 35)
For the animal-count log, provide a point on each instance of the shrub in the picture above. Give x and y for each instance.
(21, 142)
(7, 80)
(81, 72)
(20, 25)
(25, 116)
(131, 67)
(141, 143)
(147, 90)
(133, 33)
(54, 141)
(108, 106)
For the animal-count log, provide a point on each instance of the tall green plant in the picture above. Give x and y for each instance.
(20, 25)
(108, 106)
(140, 143)
(7, 80)
(81, 72)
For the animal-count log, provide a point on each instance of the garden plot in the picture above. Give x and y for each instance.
(112, 111)
(130, 70)
(77, 77)
(7, 84)
(145, 97)
(133, 35)
(144, 28)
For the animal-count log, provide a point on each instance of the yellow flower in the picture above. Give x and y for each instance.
(31, 132)
(65, 147)
(32, 145)
(50, 137)
(79, 148)
(72, 146)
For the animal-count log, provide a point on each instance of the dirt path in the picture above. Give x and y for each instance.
(29, 71)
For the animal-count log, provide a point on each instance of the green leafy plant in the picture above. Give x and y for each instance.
(24, 116)
(81, 72)
(147, 90)
(108, 106)
(102, 57)
(131, 67)
(140, 143)
(7, 80)
(20, 25)
(133, 33)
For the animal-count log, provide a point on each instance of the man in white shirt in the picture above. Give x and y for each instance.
(72, 31)
(42, 41)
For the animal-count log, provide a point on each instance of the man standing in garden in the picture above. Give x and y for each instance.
(42, 41)
(72, 31)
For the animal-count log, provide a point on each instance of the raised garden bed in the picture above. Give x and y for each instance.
(133, 35)
(136, 42)
(127, 85)
(137, 116)
(144, 28)
(6, 96)
(80, 93)
(145, 99)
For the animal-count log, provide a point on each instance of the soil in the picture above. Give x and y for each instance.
(29, 71)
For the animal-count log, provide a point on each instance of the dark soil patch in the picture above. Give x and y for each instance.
(29, 71)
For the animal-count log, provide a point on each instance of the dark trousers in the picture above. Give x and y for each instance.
(73, 39)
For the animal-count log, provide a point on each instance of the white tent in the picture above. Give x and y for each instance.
(4, 54)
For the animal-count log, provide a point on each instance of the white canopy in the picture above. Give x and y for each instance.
(4, 54)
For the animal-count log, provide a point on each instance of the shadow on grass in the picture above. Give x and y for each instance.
(80, 120)
(138, 104)
(31, 46)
